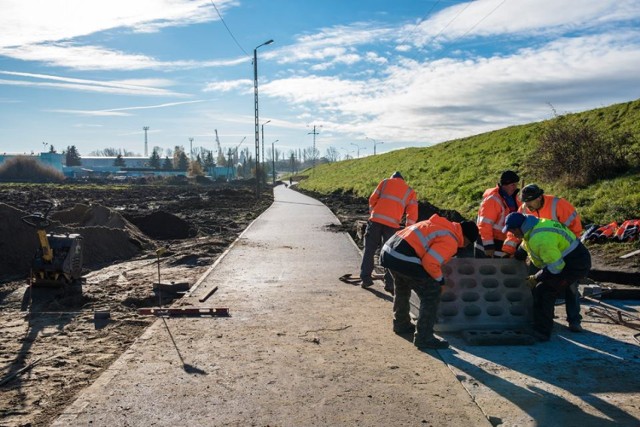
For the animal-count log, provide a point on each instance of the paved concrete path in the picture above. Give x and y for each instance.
(301, 348)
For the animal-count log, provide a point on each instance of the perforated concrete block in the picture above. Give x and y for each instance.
(483, 294)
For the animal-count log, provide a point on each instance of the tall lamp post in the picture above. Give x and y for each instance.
(263, 146)
(190, 149)
(257, 120)
(358, 147)
(273, 161)
(374, 144)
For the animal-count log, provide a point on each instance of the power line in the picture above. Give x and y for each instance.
(477, 23)
(227, 27)
(415, 27)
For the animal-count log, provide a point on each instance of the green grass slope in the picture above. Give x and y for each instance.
(454, 174)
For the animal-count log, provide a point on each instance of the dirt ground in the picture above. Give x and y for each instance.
(55, 338)
(54, 333)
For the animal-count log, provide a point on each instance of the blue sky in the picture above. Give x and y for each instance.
(399, 72)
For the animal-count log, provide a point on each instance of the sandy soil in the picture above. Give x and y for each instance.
(54, 333)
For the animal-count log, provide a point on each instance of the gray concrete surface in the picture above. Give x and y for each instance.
(302, 348)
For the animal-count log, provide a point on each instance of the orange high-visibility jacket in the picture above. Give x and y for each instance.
(389, 202)
(492, 215)
(554, 208)
(435, 241)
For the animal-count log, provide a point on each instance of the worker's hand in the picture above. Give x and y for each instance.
(532, 281)
(521, 254)
(489, 252)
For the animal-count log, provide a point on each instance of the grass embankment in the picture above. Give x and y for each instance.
(454, 174)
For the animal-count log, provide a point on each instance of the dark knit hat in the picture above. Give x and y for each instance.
(397, 174)
(469, 230)
(509, 177)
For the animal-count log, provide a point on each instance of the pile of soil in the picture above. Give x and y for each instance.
(58, 336)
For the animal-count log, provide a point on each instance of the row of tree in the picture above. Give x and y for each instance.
(177, 158)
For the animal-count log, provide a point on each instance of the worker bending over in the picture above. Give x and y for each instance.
(562, 260)
(415, 255)
(535, 202)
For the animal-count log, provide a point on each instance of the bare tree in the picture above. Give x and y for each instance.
(332, 155)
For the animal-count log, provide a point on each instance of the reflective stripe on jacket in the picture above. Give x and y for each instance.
(434, 242)
(491, 217)
(389, 202)
(554, 208)
(547, 243)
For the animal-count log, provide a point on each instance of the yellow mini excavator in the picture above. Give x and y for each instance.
(58, 259)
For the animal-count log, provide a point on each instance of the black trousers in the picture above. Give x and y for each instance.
(577, 266)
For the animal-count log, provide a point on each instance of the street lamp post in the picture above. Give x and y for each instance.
(374, 144)
(263, 147)
(358, 147)
(257, 120)
(273, 161)
(191, 149)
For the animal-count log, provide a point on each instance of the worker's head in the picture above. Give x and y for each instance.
(469, 231)
(532, 196)
(396, 174)
(509, 182)
(518, 223)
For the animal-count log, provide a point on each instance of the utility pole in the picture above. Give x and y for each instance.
(191, 149)
(313, 153)
(146, 151)
(257, 122)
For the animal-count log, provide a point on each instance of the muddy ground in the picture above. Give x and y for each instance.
(56, 335)
(53, 332)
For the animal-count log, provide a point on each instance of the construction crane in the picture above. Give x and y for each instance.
(220, 156)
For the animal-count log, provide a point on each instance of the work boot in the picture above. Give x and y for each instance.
(404, 328)
(367, 282)
(541, 336)
(575, 327)
(431, 343)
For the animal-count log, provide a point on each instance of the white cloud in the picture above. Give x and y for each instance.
(121, 111)
(495, 17)
(98, 58)
(244, 85)
(113, 87)
(35, 21)
(449, 98)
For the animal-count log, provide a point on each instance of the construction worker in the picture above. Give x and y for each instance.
(497, 203)
(415, 255)
(535, 202)
(562, 260)
(388, 204)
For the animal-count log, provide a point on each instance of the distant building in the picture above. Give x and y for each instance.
(104, 166)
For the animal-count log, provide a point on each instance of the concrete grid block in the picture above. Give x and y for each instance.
(483, 294)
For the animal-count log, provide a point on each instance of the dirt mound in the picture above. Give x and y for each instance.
(117, 240)
(18, 242)
(162, 225)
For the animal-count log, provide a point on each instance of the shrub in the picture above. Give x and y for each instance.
(28, 169)
(579, 154)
